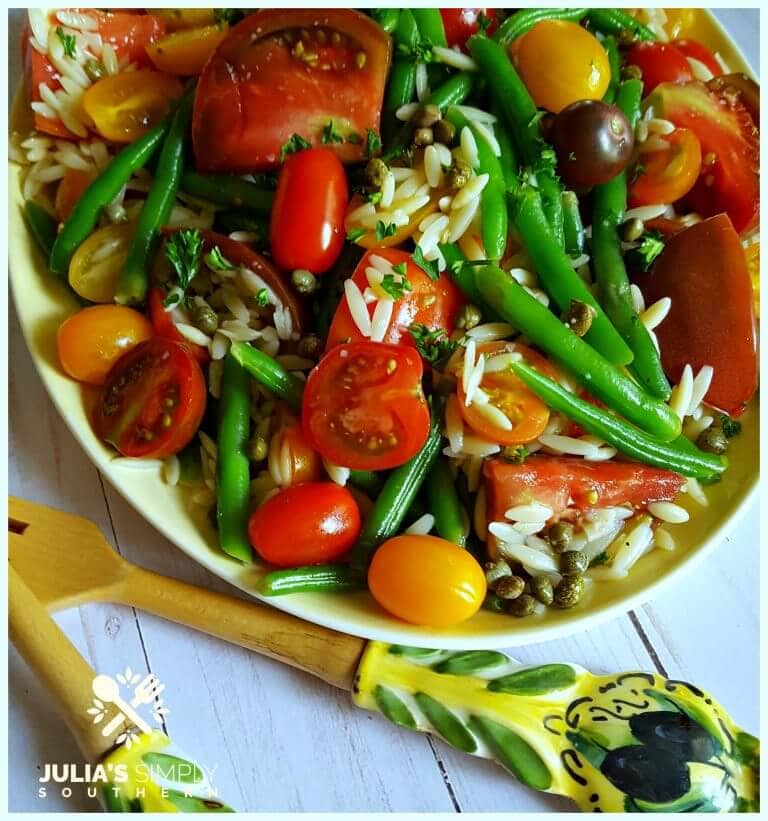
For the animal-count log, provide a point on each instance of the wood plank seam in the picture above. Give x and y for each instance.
(647, 644)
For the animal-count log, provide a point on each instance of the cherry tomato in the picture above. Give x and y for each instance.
(730, 150)
(711, 322)
(560, 63)
(659, 63)
(282, 72)
(426, 580)
(289, 448)
(306, 229)
(461, 24)
(364, 407)
(527, 414)
(71, 188)
(125, 106)
(186, 51)
(431, 302)
(96, 265)
(668, 174)
(698, 51)
(560, 482)
(305, 524)
(164, 325)
(152, 402)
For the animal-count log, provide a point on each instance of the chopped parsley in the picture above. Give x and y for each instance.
(354, 234)
(68, 42)
(434, 346)
(183, 251)
(651, 245)
(262, 297)
(294, 144)
(400, 268)
(457, 266)
(428, 266)
(372, 142)
(216, 261)
(395, 286)
(420, 53)
(383, 231)
(373, 197)
(730, 427)
(517, 454)
(330, 134)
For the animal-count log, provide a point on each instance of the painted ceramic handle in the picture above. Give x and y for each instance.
(633, 742)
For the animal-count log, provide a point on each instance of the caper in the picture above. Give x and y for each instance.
(203, 316)
(560, 535)
(304, 281)
(579, 317)
(444, 131)
(310, 346)
(426, 116)
(632, 230)
(627, 37)
(569, 592)
(376, 172)
(257, 449)
(573, 562)
(496, 571)
(95, 69)
(522, 606)
(509, 588)
(459, 174)
(632, 72)
(541, 587)
(713, 440)
(423, 136)
(468, 317)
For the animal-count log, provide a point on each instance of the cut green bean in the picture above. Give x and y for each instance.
(42, 226)
(228, 190)
(430, 24)
(316, 578)
(401, 85)
(525, 19)
(573, 227)
(679, 455)
(461, 272)
(443, 503)
(270, 373)
(368, 481)
(508, 156)
(614, 21)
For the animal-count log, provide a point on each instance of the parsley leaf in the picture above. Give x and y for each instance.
(483, 22)
(372, 142)
(395, 286)
(651, 245)
(354, 234)
(68, 42)
(468, 263)
(428, 266)
(262, 297)
(294, 144)
(373, 197)
(183, 251)
(400, 268)
(434, 346)
(420, 53)
(330, 134)
(383, 231)
(216, 261)
(730, 427)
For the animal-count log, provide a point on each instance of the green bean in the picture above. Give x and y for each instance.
(402, 77)
(386, 18)
(493, 201)
(508, 157)
(557, 275)
(430, 24)
(524, 19)
(464, 277)
(232, 464)
(229, 190)
(368, 481)
(100, 193)
(316, 578)
(614, 61)
(590, 368)
(133, 281)
(628, 97)
(443, 503)
(394, 500)
(609, 201)
(227, 222)
(679, 455)
(42, 226)
(572, 225)
(270, 373)
(614, 21)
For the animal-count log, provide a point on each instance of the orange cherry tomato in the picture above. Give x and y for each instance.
(527, 414)
(93, 339)
(426, 580)
(186, 51)
(303, 462)
(125, 106)
(305, 524)
(71, 188)
(668, 174)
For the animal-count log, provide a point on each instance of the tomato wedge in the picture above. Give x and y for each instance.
(659, 63)
(560, 482)
(282, 72)
(431, 302)
(527, 415)
(364, 407)
(730, 149)
(698, 51)
(711, 322)
(153, 400)
(164, 326)
(187, 50)
(668, 174)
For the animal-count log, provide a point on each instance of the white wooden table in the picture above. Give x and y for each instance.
(281, 741)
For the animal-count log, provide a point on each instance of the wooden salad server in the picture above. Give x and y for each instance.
(627, 742)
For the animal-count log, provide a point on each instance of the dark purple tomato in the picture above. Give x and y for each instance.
(593, 141)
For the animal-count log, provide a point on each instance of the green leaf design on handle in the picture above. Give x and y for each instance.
(173, 764)
(412, 652)
(591, 751)
(535, 681)
(513, 752)
(393, 708)
(446, 723)
(188, 803)
(695, 714)
(471, 661)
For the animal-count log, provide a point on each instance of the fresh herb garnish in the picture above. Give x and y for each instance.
(354, 138)
(262, 297)
(400, 268)
(730, 426)
(216, 261)
(373, 197)
(434, 345)
(354, 234)
(517, 454)
(468, 263)
(420, 53)
(651, 245)
(395, 286)
(383, 231)
(182, 250)
(372, 142)
(68, 42)
(330, 134)
(229, 16)
(483, 22)
(429, 267)
(294, 144)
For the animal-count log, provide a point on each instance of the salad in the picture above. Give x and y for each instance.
(457, 306)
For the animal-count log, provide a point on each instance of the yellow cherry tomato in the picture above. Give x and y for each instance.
(186, 51)
(125, 106)
(93, 339)
(186, 18)
(97, 263)
(426, 580)
(560, 62)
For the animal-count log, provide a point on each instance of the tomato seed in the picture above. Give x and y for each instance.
(360, 59)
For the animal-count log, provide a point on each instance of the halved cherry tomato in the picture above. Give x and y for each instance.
(186, 51)
(305, 524)
(730, 176)
(527, 414)
(292, 450)
(165, 327)
(426, 580)
(711, 322)
(560, 482)
(364, 407)
(667, 174)
(461, 24)
(698, 51)
(71, 188)
(93, 339)
(39, 69)
(96, 265)
(282, 72)
(659, 63)
(152, 402)
(431, 302)
(306, 228)
(369, 238)
(125, 106)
